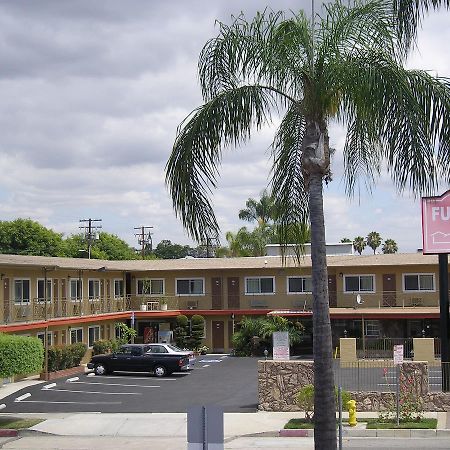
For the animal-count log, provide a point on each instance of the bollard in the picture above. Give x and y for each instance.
(352, 413)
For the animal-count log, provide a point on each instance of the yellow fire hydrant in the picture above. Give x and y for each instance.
(352, 413)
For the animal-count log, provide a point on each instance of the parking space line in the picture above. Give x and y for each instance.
(93, 392)
(137, 378)
(116, 384)
(72, 403)
(22, 397)
(206, 365)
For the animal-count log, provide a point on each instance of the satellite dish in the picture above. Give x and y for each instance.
(359, 300)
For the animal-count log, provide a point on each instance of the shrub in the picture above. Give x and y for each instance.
(106, 346)
(181, 330)
(64, 357)
(197, 331)
(305, 400)
(20, 355)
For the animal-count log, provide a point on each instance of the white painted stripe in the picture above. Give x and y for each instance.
(206, 365)
(73, 403)
(70, 380)
(137, 378)
(117, 384)
(91, 374)
(22, 397)
(2, 406)
(48, 386)
(95, 392)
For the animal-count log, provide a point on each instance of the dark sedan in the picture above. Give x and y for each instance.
(133, 358)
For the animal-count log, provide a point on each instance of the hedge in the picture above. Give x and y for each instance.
(106, 346)
(20, 355)
(65, 356)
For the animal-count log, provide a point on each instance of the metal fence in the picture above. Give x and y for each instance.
(381, 376)
(376, 348)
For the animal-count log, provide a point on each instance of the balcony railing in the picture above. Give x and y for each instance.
(38, 309)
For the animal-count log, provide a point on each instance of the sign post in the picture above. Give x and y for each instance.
(280, 345)
(436, 240)
(398, 360)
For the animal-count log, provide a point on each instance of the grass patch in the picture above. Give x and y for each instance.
(14, 423)
(296, 424)
(421, 425)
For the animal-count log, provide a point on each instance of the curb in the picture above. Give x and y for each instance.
(381, 433)
(6, 432)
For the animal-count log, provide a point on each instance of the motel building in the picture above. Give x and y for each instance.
(373, 298)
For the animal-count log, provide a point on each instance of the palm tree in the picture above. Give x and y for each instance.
(346, 240)
(347, 67)
(390, 246)
(359, 243)
(373, 240)
(261, 211)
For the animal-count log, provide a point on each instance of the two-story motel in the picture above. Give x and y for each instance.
(81, 300)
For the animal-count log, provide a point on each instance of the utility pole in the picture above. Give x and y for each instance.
(144, 238)
(90, 231)
(211, 243)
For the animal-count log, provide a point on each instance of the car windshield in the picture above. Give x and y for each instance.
(175, 349)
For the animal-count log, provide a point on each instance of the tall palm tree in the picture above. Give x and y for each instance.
(373, 240)
(347, 67)
(390, 246)
(261, 210)
(359, 243)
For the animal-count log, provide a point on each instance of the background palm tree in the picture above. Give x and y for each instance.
(390, 246)
(262, 210)
(373, 240)
(348, 66)
(346, 240)
(359, 243)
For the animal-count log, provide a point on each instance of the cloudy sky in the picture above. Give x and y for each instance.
(92, 93)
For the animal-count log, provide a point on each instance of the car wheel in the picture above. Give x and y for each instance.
(100, 369)
(160, 371)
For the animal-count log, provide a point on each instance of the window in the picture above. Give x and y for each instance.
(41, 290)
(41, 336)
(372, 328)
(418, 282)
(150, 287)
(190, 286)
(93, 335)
(22, 291)
(75, 289)
(118, 288)
(93, 289)
(76, 335)
(261, 285)
(359, 283)
(157, 349)
(299, 285)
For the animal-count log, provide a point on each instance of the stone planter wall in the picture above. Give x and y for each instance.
(279, 381)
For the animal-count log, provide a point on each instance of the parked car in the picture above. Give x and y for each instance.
(135, 358)
(157, 348)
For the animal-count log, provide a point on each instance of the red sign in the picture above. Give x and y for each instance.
(436, 224)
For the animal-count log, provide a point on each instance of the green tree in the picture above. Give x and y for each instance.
(107, 246)
(359, 243)
(166, 250)
(261, 211)
(27, 237)
(349, 67)
(390, 246)
(197, 331)
(373, 240)
(346, 240)
(181, 330)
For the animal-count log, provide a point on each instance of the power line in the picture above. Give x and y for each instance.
(144, 239)
(90, 231)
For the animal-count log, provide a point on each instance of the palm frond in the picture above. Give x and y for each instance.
(407, 110)
(192, 168)
(268, 50)
(288, 189)
(409, 14)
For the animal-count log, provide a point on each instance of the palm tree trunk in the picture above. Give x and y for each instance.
(324, 396)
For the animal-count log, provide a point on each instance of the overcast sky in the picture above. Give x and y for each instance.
(92, 93)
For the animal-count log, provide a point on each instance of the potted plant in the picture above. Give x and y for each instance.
(203, 350)
(163, 304)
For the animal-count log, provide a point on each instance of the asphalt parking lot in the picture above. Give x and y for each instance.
(216, 379)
